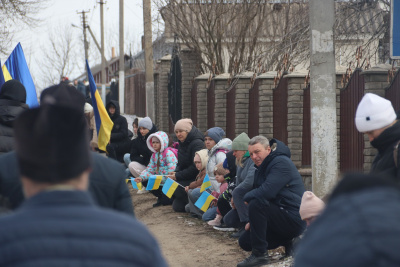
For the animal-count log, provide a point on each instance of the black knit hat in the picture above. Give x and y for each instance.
(13, 90)
(51, 143)
(63, 95)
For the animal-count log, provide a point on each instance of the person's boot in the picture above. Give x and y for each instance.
(238, 233)
(158, 203)
(255, 259)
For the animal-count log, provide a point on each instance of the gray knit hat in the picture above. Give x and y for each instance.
(241, 142)
(146, 123)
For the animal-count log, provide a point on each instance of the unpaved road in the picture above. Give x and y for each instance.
(186, 241)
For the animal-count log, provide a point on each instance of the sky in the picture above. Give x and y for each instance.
(64, 13)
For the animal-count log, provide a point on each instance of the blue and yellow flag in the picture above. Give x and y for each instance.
(204, 201)
(206, 183)
(16, 68)
(104, 124)
(2, 81)
(154, 182)
(169, 187)
(135, 185)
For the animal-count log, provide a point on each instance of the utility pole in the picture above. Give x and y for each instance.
(323, 97)
(121, 82)
(103, 63)
(85, 42)
(148, 53)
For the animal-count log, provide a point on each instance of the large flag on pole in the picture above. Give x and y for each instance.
(2, 81)
(104, 124)
(16, 68)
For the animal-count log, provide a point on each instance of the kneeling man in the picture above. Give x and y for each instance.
(274, 201)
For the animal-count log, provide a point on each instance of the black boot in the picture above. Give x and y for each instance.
(255, 259)
(158, 203)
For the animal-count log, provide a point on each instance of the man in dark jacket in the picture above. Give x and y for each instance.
(191, 140)
(12, 103)
(140, 153)
(359, 226)
(119, 133)
(59, 225)
(274, 201)
(376, 118)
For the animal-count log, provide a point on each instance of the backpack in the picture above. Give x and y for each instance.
(164, 153)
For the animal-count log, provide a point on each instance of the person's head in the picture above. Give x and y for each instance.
(219, 173)
(145, 125)
(311, 206)
(111, 109)
(52, 146)
(201, 159)
(156, 143)
(259, 149)
(230, 164)
(135, 125)
(182, 129)
(239, 146)
(213, 136)
(374, 115)
(13, 90)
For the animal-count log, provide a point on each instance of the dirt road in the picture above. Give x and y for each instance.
(186, 241)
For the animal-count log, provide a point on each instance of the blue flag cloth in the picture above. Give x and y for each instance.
(2, 81)
(18, 69)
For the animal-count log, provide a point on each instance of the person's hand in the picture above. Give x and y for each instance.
(232, 204)
(138, 180)
(247, 227)
(172, 176)
(186, 188)
(213, 203)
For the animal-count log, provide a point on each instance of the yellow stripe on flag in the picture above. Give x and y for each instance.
(6, 73)
(207, 203)
(158, 181)
(171, 190)
(106, 124)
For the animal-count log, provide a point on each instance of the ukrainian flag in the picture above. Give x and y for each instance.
(135, 185)
(206, 183)
(104, 124)
(169, 187)
(2, 81)
(204, 201)
(17, 69)
(154, 182)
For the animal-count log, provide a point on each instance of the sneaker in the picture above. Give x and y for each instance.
(224, 228)
(254, 260)
(238, 233)
(216, 221)
(142, 191)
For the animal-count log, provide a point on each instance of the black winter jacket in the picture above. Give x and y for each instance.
(106, 183)
(139, 149)
(186, 171)
(383, 163)
(9, 111)
(277, 180)
(119, 132)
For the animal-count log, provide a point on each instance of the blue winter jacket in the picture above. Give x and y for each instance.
(277, 180)
(65, 228)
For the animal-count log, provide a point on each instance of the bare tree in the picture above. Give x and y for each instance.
(61, 59)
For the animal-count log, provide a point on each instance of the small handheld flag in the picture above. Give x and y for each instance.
(204, 201)
(154, 182)
(135, 185)
(206, 183)
(169, 187)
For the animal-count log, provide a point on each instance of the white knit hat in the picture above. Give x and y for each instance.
(310, 206)
(374, 112)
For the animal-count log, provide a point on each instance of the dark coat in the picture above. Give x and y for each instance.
(119, 132)
(383, 163)
(106, 184)
(359, 229)
(277, 180)
(9, 111)
(186, 171)
(65, 228)
(139, 149)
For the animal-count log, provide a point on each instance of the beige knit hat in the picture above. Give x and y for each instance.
(184, 124)
(311, 205)
(203, 155)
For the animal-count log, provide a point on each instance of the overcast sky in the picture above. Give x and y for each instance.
(64, 12)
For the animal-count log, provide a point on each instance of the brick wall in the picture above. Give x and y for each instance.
(221, 85)
(202, 85)
(242, 102)
(266, 88)
(162, 94)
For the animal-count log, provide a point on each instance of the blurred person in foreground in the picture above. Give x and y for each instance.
(106, 184)
(58, 224)
(359, 226)
(311, 207)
